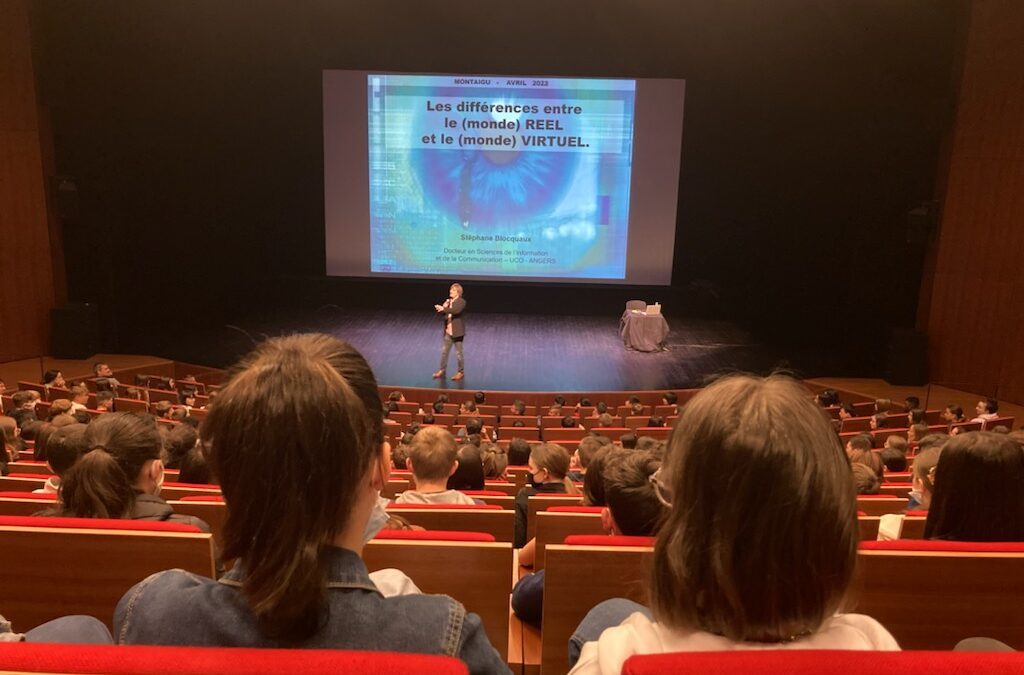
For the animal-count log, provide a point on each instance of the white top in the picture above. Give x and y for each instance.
(640, 635)
(446, 497)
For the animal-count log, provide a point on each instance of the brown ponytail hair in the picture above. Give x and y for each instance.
(308, 406)
(102, 483)
(555, 459)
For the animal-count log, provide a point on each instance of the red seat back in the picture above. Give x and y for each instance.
(812, 662)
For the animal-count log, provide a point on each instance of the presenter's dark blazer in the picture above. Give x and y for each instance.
(457, 309)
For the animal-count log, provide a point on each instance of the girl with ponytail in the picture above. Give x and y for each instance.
(295, 439)
(120, 474)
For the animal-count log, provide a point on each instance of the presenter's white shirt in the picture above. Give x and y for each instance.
(640, 635)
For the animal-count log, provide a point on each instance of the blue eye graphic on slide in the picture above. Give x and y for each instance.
(494, 187)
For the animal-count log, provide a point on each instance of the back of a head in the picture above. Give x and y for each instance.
(593, 480)
(518, 452)
(870, 459)
(788, 515)
(474, 425)
(101, 484)
(180, 440)
(552, 457)
(469, 475)
(588, 447)
(433, 451)
(293, 436)
(195, 468)
(495, 461)
(979, 490)
(629, 493)
(865, 480)
(65, 446)
(893, 460)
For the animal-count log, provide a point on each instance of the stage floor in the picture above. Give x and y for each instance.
(534, 352)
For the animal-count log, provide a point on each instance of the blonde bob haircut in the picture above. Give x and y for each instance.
(761, 539)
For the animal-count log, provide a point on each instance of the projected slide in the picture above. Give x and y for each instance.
(498, 176)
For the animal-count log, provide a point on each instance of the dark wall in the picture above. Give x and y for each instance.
(194, 132)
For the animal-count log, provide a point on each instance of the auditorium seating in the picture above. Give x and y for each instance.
(932, 594)
(812, 662)
(491, 519)
(123, 660)
(541, 502)
(579, 576)
(558, 522)
(59, 566)
(476, 573)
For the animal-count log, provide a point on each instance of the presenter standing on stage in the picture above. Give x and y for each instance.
(454, 330)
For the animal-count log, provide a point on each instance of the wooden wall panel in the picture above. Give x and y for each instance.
(26, 269)
(975, 320)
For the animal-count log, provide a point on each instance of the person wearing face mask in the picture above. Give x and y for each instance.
(120, 474)
(549, 466)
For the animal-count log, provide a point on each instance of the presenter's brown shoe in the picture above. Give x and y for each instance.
(438, 375)
(458, 376)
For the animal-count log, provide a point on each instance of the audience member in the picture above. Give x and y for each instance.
(298, 579)
(79, 398)
(911, 403)
(64, 447)
(549, 466)
(179, 442)
(120, 473)
(581, 456)
(469, 475)
(194, 467)
(628, 441)
(105, 379)
(518, 452)
(890, 525)
(105, 401)
(916, 432)
(432, 459)
(593, 480)
(865, 480)
(953, 414)
(495, 462)
(54, 378)
(979, 490)
(879, 421)
(986, 410)
(764, 563)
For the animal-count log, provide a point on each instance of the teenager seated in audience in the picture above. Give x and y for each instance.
(432, 459)
(549, 466)
(24, 403)
(438, 407)
(105, 401)
(670, 398)
(656, 421)
(162, 409)
(178, 414)
(396, 397)
(986, 410)
(64, 447)
(298, 579)
(828, 398)
(43, 433)
(764, 564)
(878, 421)
(120, 473)
(637, 409)
(633, 509)
(605, 420)
(979, 490)
(390, 407)
(882, 405)
(518, 452)
(858, 449)
(584, 452)
(194, 467)
(911, 403)
(469, 474)
(894, 460)
(479, 397)
(916, 416)
(628, 441)
(428, 418)
(54, 378)
(474, 425)
(569, 422)
(865, 480)
(897, 443)
(8, 439)
(953, 414)
(79, 398)
(916, 432)
(467, 408)
(495, 462)
(600, 409)
(593, 480)
(518, 407)
(890, 525)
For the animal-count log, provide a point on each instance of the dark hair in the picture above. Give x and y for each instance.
(441, 398)
(479, 397)
(470, 473)
(893, 459)
(495, 461)
(518, 423)
(601, 407)
(559, 400)
(400, 453)
(469, 406)
(519, 407)
(978, 490)
(474, 426)
(870, 459)
(912, 402)
(518, 452)
(629, 493)
(568, 422)
(861, 442)
(920, 431)
(957, 411)
(656, 421)
(195, 468)
(391, 407)
(308, 406)
(628, 441)
(916, 416)
(97, 366)
(395, 396)
(584, 402)
(20, 398)
(848, 409)
(991, 406)
(428, 418)
(50, 375)
(881, 420)
(438, 407)
(593, 479)
(828, 398)
(633, 400)
(670, 397)
(179, 442)
(789, 499)
(931, 441)
(65, 446)
(102, 483)
(104, 396)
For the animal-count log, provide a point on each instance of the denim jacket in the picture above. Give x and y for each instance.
(179, 608)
